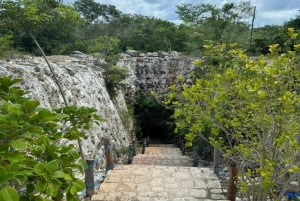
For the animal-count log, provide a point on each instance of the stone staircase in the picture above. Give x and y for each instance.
(161, 174)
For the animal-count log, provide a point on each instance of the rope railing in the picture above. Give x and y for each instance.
(145, 144)
(180, 142)
(92, 181)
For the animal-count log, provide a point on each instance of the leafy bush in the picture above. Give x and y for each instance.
(113, 79)
(33, 165)
(251, 107)
(6, 46)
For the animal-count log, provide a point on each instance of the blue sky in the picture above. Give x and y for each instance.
(268, 12)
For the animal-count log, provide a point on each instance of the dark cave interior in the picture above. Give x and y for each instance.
(157, 134)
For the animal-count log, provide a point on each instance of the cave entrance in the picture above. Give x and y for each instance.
(156, 134)
(154, 120)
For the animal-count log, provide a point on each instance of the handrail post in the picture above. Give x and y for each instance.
(109, 156)
(216, 161)
(133, 146)
(195, 152)
(89, 178)
(179, 144)
(144, 145)
(183, 147)
(147, 140)
(130, 154)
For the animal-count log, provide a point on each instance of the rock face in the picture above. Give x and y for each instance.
(155, 71)
(83, 85)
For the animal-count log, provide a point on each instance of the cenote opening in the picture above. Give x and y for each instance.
(154, 120)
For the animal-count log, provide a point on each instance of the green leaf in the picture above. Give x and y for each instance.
(14, 109)
(15, 157)
(19, 144)
(9, 194)
(58, 174)
(5, 175)
(77, 186)
(51, 166)
(30, 106)
(68, 177)
(52, 190)
(73, 153)
(30, 188)
(39, 169)
(45, 115)
(14, 166)
(41, 185)
(294, 169)
(73, 190)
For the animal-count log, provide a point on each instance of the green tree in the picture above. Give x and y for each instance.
(95, 12)
(6, 46)
(143, 33)
(34, 164)
(251, 107)
(295, 23)
(54, 25)
(263, 36)
(221, 25)
(107, 46)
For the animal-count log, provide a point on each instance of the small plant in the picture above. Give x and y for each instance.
(123, 150)
(113, 79)
(33, 165)
(6, 48)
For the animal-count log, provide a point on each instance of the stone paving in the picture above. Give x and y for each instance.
(161, 174)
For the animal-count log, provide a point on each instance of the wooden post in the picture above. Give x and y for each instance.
(89, 178)
(180, 144)
(195, 153)
(144, 146)
(233, 175)
(147, 141)
(133, 146)
(183, 147)
(216, 161)
(109, 156)
(130, 154)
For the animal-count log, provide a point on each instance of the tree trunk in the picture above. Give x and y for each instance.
(57, 83)
(232, 188)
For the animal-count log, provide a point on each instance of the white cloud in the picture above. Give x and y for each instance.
(268, 11)
(275, 17)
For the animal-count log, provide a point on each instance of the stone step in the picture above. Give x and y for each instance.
(164, 160)
(160, 150)
(161, 174)
(108, 197)
(140, 182)
(165, 155)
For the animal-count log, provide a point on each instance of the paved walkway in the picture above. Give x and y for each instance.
(161, 174)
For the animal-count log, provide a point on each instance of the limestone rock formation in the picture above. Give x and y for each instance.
(83, 85)
(154, 71)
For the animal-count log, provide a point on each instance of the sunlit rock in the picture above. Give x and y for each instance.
(82, 84)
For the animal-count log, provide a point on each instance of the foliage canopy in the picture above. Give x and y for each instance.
(252, 109)
(34, 164)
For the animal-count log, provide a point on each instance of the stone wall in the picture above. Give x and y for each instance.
(83, 84)
(154, 71)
